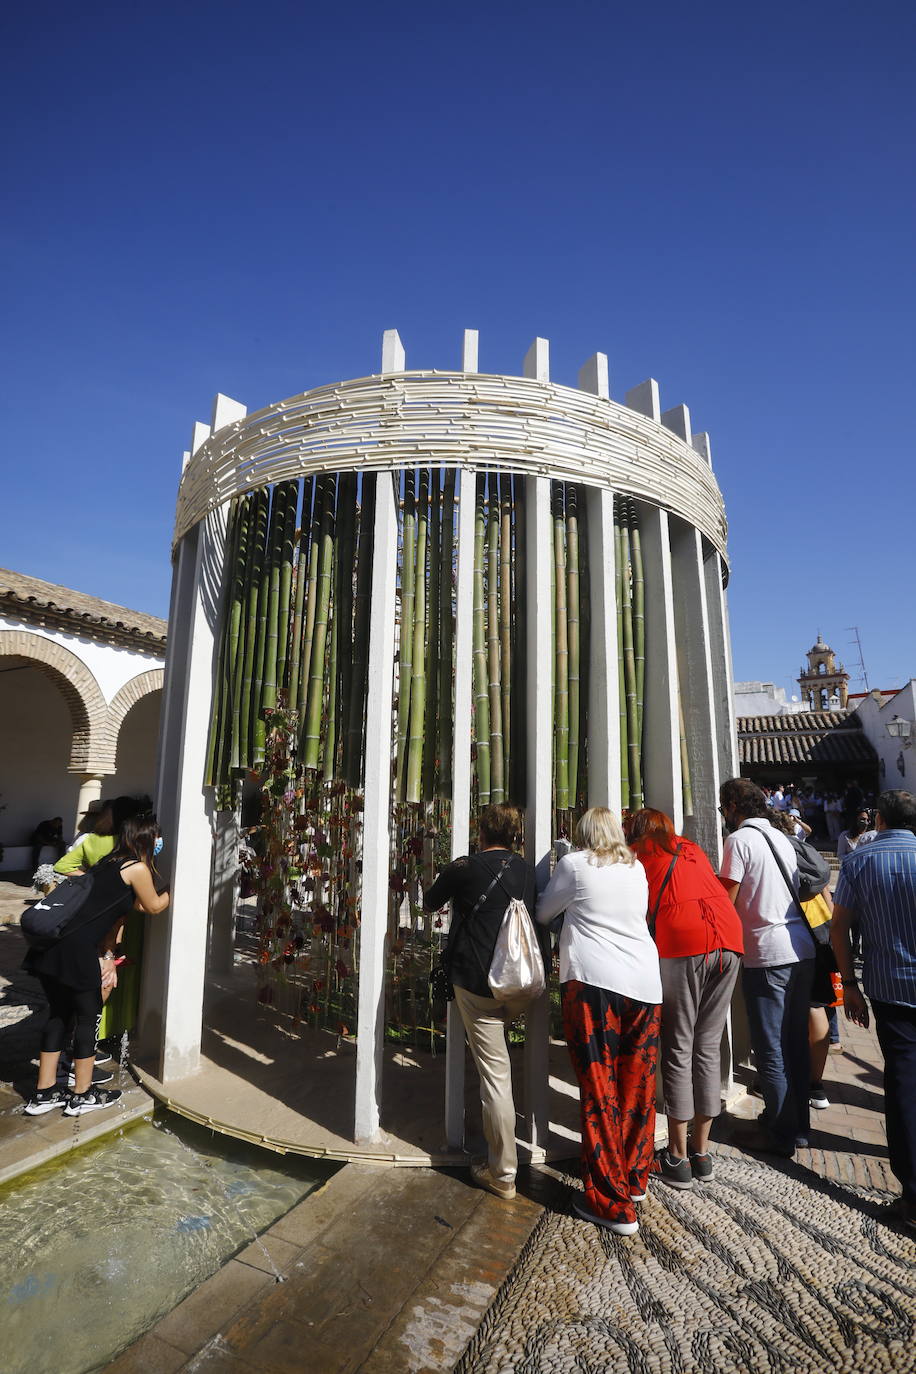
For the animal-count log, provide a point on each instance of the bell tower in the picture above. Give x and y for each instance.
(822, 679)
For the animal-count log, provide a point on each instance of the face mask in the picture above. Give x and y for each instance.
(157, 847)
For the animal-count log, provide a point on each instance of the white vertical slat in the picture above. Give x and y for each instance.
(721, 659)
(603, 681)
(394, 358)
(469, 351)
(376, 817)
(461, 779)
(539, 551)
(696, 678)
(662, 783)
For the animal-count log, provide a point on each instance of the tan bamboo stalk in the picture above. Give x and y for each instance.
(481, 686)
(446, 635)
(418, 669)
(561, 698)
(497, 771)
(311, 734)
(406, 628)
(573, 631)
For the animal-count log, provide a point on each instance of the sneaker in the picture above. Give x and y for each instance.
(91, 1101)
(817, 1097)
(99, 1076)
(677, 1173)
(619, 1228)
(700, 1166)
(481, 1175)
(639, 1197)
(102, 1056)
(45, 1100)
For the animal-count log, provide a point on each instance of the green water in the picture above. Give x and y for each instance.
(98, 1245)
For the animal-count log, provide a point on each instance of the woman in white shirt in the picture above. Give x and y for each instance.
(612, 992)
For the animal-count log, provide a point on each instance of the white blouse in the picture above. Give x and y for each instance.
(605, 940)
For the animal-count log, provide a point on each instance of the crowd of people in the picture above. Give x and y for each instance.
(652, 942)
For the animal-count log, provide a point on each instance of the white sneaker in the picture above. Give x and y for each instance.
(481, 1175)
(91, 1101)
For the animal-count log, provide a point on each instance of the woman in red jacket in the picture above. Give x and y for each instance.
(699, 939)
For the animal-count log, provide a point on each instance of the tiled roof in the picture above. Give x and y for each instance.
(29, 598)
(807, 737)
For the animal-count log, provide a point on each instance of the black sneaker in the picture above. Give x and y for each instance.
(677, 1173)
(91, 1101)
(102, 1056)
(817, 1097)
(700, 1166)
(45, 1100)
(99, 1076)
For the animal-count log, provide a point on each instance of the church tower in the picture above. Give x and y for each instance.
(823, 680)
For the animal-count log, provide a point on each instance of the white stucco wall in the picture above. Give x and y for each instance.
(110, 665)
(897, 757)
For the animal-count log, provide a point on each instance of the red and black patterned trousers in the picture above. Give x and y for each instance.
(613, 1044)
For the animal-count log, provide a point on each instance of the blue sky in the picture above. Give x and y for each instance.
(240, 198)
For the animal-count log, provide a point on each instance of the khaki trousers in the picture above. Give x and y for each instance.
(485, 1022)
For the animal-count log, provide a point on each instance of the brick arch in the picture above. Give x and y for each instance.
(133, 691)
(77, 685)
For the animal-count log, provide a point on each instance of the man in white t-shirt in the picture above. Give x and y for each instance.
(778, 961)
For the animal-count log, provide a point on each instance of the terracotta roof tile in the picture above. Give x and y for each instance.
(807, 737)
(33, 599)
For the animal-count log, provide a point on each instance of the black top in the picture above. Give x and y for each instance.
(472, 939)
(74, 959)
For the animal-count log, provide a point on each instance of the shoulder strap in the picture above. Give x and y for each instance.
(456, 925)
(653, 914)
(782, 868)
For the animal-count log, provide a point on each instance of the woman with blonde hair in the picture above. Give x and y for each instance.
(611, 992)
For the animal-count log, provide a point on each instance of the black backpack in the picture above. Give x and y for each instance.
(56, 914)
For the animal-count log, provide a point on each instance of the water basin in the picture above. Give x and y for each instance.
(96, 1246)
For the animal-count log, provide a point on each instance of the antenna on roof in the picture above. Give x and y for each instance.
(862, 676)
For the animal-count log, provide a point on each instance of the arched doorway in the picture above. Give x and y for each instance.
(36, 744)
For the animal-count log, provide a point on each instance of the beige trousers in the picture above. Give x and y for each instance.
(485, 1022)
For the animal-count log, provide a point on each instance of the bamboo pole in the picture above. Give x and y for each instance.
(300, 577)
(620, 574)
(250, 683)
(286, 585)
(481, 690)
(629, 669)
(311, 734)
(220, 704)
(434, 630)
(343, 593)
(274, 558)
(418, 665)
(573, 631)
(333, 702)
(497, 773)
(639, 620)
(406, 628)
(505, 622)
(356, 725)
(238, 627)
(311, 598)
(561, 642)
(446, 635)
(585, 642)
(518, 752)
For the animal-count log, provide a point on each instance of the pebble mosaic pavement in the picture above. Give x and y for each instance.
(762, 1269)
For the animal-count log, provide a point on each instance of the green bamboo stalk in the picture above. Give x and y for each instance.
(311, 733)
(497, 771)
(213, 769)
(446, 636)
(300, 575)
(330, 733)
(585, 642)
(518, 752)
(286, 586)
(481, 686)
(431, 730)
(561, 641)
(250, 681)
(573, 631)
(239, 601)
(418, 677)
(629, 669)
(356, 725)
(343, 593)
(406, 628)
(274, 555)
(505, 622)
(619, 579)
(311, 599)
(639, 618)
(261, 669)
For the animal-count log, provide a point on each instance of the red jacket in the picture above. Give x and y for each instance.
(696, 915)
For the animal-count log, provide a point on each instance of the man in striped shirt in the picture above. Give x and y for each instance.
(877, 888)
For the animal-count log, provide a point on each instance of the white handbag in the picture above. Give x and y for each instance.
(517, 969)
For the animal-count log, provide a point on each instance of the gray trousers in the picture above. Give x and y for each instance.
(696, 995)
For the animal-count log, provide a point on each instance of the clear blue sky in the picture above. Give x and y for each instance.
(241, 197)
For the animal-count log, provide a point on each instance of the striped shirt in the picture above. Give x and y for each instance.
(877, 884)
